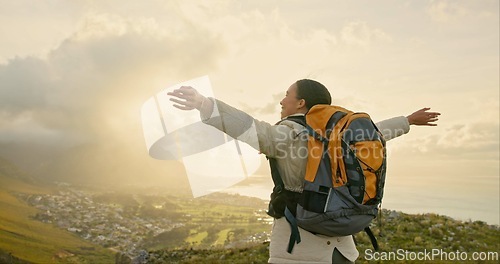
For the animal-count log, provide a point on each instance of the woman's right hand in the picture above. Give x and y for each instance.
(187, 98)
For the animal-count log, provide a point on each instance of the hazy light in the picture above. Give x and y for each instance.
(213, 160)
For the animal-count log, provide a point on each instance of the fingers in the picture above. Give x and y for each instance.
(184, 104)
(184, 92)
(428, 124)
(180, 93)
(427, 115)
(429, 121)
(186, 98)
(178, 101)
(423, 118)
(424, 109)
(433, 115)
(182, 107)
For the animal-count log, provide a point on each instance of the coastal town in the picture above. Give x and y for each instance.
(124, 225)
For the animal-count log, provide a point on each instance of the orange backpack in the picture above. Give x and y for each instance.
(345, 175)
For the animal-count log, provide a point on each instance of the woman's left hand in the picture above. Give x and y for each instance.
(423, 118)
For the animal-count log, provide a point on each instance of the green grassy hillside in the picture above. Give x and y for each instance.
(27, 239)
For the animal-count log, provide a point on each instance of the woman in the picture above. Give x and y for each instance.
(284, 142)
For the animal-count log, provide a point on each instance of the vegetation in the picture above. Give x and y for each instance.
(213, 221)
(24, 239)
(425, 232)
(398, 231)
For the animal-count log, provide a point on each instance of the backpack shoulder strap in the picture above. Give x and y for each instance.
(300, 119)
(279, 186)
(372, 237)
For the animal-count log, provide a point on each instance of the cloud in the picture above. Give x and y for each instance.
(100, 70)
(270, 108)
(476, 141)
(446, 11)
(360, 34)
(75, 113)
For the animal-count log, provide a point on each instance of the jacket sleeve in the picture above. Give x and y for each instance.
(271, 140)
(393, 127)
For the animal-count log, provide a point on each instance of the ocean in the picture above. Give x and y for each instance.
(414, 199)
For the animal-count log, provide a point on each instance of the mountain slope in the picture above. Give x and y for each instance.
(34, 241)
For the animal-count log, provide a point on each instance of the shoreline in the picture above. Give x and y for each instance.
(410, 206)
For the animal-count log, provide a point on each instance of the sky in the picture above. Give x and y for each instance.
(74, 74)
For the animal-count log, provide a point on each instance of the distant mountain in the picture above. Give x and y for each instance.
(92, 164)
(8, 169)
